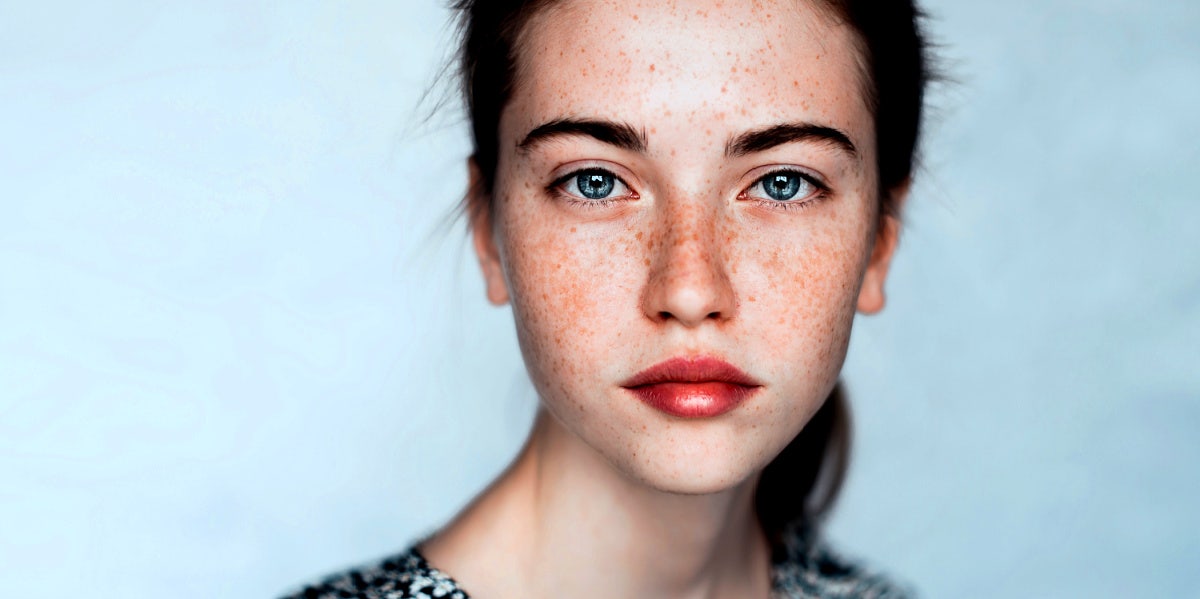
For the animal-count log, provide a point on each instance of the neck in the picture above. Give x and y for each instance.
(561, 521)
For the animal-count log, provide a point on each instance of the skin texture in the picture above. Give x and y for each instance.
(689, 258)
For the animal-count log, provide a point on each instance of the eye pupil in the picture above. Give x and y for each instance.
(782, 186)
(595, 185)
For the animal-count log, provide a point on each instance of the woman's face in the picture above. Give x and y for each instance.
(685, 180)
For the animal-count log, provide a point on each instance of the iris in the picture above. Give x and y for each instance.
(595, 185)
(782, 186)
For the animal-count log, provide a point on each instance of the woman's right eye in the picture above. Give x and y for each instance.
(592, 185)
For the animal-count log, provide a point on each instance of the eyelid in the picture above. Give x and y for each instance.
(756, 176)
(564, 173)
(569, 169)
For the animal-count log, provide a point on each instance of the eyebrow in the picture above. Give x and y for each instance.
(765, 139)
(621, 135)
(626, 137)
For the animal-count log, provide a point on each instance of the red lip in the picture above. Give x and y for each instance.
(700, 387)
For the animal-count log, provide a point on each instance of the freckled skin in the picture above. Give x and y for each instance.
(688, 265)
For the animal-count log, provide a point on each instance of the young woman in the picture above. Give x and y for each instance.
(685, 203)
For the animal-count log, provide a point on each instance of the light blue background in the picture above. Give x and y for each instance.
(237, 351)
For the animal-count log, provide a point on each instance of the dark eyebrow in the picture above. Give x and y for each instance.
(620, 135)
(765, 139)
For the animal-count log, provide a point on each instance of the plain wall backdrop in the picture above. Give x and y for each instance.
(237, 351)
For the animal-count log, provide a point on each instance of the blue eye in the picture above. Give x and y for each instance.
(592, 185)
(595, 185)
(784, 186)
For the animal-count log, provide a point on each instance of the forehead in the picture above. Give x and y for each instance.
(647, 62)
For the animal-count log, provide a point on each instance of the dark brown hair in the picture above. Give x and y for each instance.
(803, 480)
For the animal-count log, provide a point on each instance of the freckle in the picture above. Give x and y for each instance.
(646, 262)
(751, 298)
(638, 236)
(572, 229)
(651, 68)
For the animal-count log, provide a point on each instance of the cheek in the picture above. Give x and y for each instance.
(572, 293)
(800, 292)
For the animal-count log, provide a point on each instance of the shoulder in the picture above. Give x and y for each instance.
(405, 576)
(806, 568)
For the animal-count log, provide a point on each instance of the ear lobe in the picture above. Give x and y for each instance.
(871, 297)
(480, 220)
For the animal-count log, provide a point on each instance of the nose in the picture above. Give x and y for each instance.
(688, 280)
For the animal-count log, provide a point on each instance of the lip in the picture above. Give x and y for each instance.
(697, 387)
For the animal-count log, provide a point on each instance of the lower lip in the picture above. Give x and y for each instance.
(693, 400)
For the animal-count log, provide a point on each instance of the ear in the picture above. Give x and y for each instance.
(871, 297)
(479, 214)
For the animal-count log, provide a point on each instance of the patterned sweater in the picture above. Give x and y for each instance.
(802, 568)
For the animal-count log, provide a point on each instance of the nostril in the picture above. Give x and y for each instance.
(667, 315)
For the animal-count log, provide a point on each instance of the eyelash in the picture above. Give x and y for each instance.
(821, 193)
(822, 190)
(556, 189)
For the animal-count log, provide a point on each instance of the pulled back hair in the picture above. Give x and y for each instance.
(803, 481)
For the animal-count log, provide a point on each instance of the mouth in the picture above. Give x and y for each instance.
(700, 387)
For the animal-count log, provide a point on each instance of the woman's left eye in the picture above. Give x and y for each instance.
(785, 186)
(592, 185)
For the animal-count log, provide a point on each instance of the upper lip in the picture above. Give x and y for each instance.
(701, 369)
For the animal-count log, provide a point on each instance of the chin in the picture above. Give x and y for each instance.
(693, 464)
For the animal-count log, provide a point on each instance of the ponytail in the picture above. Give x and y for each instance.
(803, 481)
